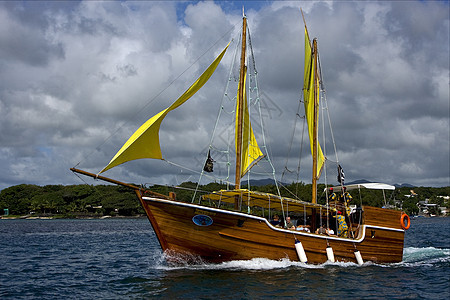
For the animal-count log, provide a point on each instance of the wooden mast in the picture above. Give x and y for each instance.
(240, 107)
(315, 125)
(239, 113)
(315, 116)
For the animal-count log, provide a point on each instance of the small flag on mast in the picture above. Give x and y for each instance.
(341, 175)
(209, 163)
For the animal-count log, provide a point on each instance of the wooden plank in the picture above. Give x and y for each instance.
(232, 237)
(382, 217)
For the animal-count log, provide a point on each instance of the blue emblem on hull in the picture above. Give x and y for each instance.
(202, 220)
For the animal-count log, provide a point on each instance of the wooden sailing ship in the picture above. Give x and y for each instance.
(233, 225)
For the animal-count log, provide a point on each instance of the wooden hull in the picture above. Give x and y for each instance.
(238, 236)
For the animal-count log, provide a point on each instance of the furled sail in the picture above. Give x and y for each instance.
(251, 153)
(144, 143)
(308, 97)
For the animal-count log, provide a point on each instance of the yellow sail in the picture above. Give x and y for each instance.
(251, 153)
(144, 143)
(308, 97)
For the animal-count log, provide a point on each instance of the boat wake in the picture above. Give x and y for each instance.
(412, 257)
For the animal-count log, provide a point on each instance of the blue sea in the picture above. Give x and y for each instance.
(121, 259)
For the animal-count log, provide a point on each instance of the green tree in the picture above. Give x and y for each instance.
(18, 198)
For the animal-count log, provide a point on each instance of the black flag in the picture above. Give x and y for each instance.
(209, 163)
(341, 175)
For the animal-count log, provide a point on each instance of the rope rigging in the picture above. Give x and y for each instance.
(254, 102)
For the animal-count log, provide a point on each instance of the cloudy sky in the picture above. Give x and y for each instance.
(77, 78)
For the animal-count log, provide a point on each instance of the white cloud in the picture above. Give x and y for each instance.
(76, 78)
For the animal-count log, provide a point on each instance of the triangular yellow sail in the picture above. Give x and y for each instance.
(144, 143)
(251, 153)
(308, 97)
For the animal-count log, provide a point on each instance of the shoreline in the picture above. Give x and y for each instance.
(56, 217)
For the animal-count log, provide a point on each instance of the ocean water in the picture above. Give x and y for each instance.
(121, 259)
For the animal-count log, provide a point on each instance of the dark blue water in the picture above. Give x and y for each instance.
(121, 259)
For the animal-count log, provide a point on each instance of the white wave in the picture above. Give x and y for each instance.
(259, 264)
(169, 261)
(413, 256)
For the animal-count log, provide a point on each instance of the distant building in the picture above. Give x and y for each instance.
(444, 210)
(424, 207)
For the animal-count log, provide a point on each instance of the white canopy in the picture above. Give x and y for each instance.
(372, 186)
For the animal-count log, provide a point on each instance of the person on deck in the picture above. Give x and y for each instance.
(342, 230)
(332, 196)
(289, 224)
(305, 228)
(321, 230)
(275, 221)
(346, 198)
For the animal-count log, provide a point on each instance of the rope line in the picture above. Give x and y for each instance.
(151, 100)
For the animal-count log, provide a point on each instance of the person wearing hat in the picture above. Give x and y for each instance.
(332, 196)
(345, 199)
(342, 230)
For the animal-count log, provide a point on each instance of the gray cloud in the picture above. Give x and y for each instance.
(76, 78)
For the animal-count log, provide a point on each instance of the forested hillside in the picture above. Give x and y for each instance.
(99, 200)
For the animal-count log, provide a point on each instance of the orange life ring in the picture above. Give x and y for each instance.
(402, 221)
